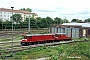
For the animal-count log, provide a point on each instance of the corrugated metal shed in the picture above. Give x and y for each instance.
(78, 24)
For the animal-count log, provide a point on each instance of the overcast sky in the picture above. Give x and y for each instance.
(70, 9)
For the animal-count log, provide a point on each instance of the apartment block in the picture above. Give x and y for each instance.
(5, 14)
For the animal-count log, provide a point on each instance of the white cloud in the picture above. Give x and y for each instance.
(61, 8)
(16, 3)
(53, 8)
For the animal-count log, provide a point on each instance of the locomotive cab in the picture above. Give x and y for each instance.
(61, 36)
(25, 40)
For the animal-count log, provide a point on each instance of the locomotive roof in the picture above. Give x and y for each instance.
(43, 34)
(36, 34)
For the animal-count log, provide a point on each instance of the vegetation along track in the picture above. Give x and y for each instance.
(17, 47)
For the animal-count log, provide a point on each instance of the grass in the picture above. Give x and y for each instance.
(73, 51)
(9, 38)
(35, 53)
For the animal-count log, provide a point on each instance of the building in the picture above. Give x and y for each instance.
(5, 14)
(74, 30)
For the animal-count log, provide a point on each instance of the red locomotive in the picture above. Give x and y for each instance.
(41, 38)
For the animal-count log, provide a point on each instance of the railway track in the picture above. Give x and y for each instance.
(18, 47)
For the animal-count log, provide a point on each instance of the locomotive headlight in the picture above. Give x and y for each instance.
(24, 40)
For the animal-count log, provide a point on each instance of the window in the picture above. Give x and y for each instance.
(8, 15)
(4, 18)
(4, 15)
(1, 15)
(88, 31)
(8, 18)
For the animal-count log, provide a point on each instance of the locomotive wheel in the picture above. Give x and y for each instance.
(24, 43)
(29, 43)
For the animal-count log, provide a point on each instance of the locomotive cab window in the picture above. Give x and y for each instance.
(29, 36)
(24, 37)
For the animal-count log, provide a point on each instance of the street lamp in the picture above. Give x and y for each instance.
(12, 30)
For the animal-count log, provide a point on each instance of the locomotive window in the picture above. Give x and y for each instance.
(63, 35)
(24, 37)
(29, 36)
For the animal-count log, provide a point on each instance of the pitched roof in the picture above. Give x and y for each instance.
(10, 10)
(78, 24)
(34, 14)
(17, 11)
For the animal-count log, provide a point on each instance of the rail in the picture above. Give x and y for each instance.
(21, 48)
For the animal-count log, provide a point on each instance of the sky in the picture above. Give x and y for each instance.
(69, 9)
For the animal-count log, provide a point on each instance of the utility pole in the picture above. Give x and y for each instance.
(29, 24)
(65, 19)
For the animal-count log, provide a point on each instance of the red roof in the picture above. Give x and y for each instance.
(17, 11)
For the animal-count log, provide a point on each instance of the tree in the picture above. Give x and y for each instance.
(24, 24)
(87, 20)
(65, 21)
(33, 23)
(17, 18)
(49, 21)
(22, 9)
(58, 20)
(27, 9)
(38, 19)
(44, 23)
(76, 20)
(8, 24)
